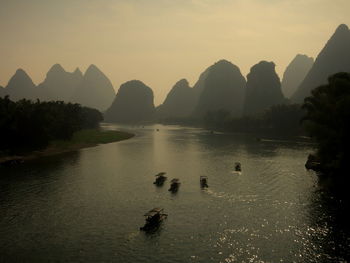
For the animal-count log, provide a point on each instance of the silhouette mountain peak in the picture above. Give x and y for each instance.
(20, 86)
(221, 87)
(92, 89)
(263, 66)
(182, 83)
(77, 72)
(56, 69)
(340, 34)
(295, 73)
(22, 77)
(95, 89)
(135, 83)
(92, 68)
(333, 58)
(223, 63)
(263, 88)
(342, 28)
(133, 103)
(179, 102)
(21, 72)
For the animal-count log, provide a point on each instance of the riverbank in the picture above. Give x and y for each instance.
(81, 139)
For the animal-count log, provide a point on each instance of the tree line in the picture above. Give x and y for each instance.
(282, 120)
(324, 116)
(28, 125)
(327, 121)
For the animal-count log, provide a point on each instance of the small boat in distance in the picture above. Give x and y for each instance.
(238, 167)
(175, 184)
(160, 179)
(153, 219)
(203, 181)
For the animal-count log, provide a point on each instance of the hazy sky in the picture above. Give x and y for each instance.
(161, 41)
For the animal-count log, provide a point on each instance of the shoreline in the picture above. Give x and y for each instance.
(81, 140)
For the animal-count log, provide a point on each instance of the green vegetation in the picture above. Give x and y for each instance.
(80, 139)
(90, 137)
(34, 129)
(327, 121)
(26, 126)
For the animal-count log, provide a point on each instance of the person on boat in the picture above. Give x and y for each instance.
(238, 167)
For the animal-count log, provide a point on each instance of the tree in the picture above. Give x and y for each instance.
(27, 125)
(327, 121)
(284, 118)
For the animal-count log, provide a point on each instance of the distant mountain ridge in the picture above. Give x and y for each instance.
(21, 86)
(92, 89)
(222, 87)
(60, 84)
(295, 74)
(219, 87)
(333, 58)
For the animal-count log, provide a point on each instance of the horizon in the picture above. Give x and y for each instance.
(125, 40)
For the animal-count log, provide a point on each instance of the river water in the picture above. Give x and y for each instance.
(87, 206)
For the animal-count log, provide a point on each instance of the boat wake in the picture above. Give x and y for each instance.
(131, 236)
(231, 197)
(236, 173)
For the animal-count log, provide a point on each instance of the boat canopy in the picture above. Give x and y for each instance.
(153, 212)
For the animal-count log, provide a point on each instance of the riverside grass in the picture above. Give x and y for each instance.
(91, 137)
(80, 139)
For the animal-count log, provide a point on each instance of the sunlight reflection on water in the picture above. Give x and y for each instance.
(88, 206)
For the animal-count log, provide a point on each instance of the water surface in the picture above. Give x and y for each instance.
(87, 206)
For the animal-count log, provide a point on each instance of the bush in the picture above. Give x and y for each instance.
(327, 121)
(27, 125)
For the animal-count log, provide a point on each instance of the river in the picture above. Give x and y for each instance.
(87, 206)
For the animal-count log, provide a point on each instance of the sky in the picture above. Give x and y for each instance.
(161, 41)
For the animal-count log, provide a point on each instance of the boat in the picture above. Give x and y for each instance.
(160, 179)
(153, 219)
(203, 181)
(238, 167)
(175, 184)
